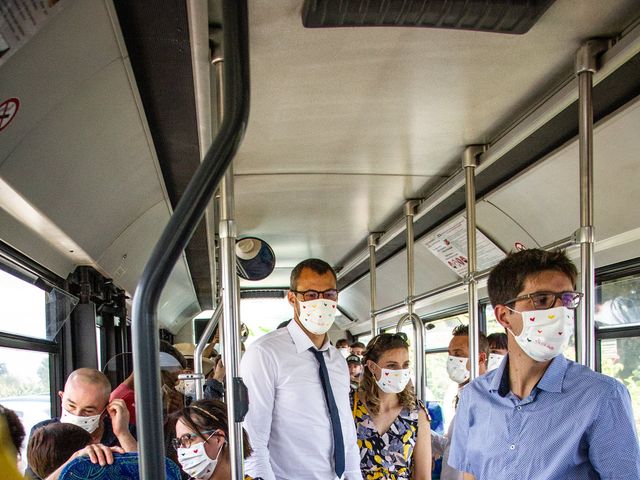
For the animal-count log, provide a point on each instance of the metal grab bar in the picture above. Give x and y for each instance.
(197, 353)
(418, 349)
(176, 235)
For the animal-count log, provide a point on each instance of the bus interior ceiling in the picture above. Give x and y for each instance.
(346, 125)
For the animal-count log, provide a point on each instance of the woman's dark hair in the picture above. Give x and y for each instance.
(16, 430)
(204, 415)
(507, 278)
(498, 340)
(368, 386)
(53, 444)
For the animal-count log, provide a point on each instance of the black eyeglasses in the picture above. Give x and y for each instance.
(546, 300)
(388, 337)
(187, 439)
(309, 295)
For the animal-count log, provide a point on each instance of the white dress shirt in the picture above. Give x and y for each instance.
(288, 422)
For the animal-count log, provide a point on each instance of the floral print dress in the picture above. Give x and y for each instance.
(387, 456)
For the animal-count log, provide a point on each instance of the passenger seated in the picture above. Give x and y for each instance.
(201, 432)
(171, 363)
(15, 430)
(53, 445)
(458, 371)
(85, 403)
(498, 349)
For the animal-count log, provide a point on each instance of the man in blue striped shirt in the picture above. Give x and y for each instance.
(541, 416)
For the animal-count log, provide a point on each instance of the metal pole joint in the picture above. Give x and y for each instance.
(372, 239)
(588, 54)
(410, 207)
(227, 229)
(584, 234)
(471, 154)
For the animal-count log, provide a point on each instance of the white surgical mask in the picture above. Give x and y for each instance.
(545, 333)
(195, 461)
(457, 369)
(345, 351)
(494, 361)
(317, 316)
(393, 381)
(90, 424)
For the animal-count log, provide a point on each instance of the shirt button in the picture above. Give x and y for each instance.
(512, 447)
(519, 407)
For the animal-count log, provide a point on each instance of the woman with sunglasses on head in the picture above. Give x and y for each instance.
(392, 426)
(200, 441)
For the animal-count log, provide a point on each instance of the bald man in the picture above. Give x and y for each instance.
(85, 403)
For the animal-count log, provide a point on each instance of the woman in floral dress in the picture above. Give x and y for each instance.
(392, 426)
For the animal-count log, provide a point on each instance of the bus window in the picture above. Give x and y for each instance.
(22, 307)
(263, 315)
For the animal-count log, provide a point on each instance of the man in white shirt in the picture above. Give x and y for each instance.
(299, 421)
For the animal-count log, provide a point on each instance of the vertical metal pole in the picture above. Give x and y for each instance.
(230, 303)
(373, 239)
(202, 343)
(585, 331)
(469, 163)
(418, 327)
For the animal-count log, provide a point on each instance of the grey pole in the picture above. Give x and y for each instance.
(197, 353)
(230, 301)
(418, 327)
(469, 163)
(373, 238)
(585, 68)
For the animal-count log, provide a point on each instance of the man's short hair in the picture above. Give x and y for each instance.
(483, 344)
(92, 377)
(16, 430)
(342, 341)
(507, 278)
(53, 444)
(498, 340)
(358, 345)
(315, 265)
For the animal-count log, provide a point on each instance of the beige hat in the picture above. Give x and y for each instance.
(187, 349)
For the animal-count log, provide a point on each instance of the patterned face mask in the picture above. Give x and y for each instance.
(457, 369)
(317, 316)
(393, 381)
(90, 424)
(195, 461)
(545, 333)
(494, 361)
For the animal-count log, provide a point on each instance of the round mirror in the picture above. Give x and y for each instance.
(255, 258)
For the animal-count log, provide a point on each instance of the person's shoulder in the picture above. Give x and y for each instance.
(272, 340)
(594, 383)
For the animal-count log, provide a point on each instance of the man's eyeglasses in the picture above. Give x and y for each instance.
(187, 439)
(309, 295)
(546, 300)
(387, 337)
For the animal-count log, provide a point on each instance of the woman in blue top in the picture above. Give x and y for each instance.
(392, 426)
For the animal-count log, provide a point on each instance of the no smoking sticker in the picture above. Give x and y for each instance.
(8, 110)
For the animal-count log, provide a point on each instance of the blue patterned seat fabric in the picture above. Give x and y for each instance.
(125, 466)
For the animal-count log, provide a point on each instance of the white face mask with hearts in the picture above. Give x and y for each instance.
(90, 424)
(457, 369)
(393, 381)
(494, 361)
(545, 333)
(317, 316)
(195, 461)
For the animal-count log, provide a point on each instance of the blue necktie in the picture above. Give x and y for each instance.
(338, 441)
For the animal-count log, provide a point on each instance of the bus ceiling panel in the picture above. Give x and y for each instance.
(320, 215)
(398, 100)
(91, 151)
(279, 278)
(545, 198)
(74, 46)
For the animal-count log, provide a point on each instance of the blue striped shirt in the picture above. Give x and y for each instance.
(575, 424)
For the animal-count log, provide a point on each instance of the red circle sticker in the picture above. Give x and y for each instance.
(519, 247)
(8, 110)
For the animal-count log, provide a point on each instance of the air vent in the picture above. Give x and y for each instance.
(498, 16)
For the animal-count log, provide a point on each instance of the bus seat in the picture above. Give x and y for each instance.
(125, 466)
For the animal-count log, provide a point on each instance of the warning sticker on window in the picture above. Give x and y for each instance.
(449, 244)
